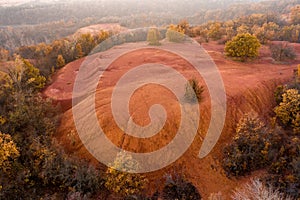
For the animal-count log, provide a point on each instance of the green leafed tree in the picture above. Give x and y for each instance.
(243, 47)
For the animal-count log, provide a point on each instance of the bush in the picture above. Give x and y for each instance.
(284, 171)
(67, 173)
(257, 190)
(39, 168)
(175, 34)
(288, 110)
(60, 61)
(249, 149)
(179, 188)
(153, 36)
(193, 92)
(29, 112)
(24, 76)
(87, 179)
(215, 31)
(125, 183)
(280, 90)
(8, 152)
(282, 51)
(274, 149)
(242, 47)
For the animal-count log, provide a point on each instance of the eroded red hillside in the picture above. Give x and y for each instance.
(249, 87)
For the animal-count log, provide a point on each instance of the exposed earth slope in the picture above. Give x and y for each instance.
(249, 88)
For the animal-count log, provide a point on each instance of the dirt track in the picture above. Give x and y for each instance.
(249, 87)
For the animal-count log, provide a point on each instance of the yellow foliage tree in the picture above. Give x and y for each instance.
(124, 183)
(100, 37)
(267, 32)
(243, 29)
(215, 31)
(8, 151)
(290, 33)
(78, 51)
(288, 110)
(184, 26)
(60, 61)
(24, 76)
(175, 33)
(249, 124)
(230, 32)
(242, 47)
(87, 43)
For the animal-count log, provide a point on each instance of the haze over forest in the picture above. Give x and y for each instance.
(31, 22)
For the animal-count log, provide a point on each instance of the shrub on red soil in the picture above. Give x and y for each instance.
(248, 151)
(243, 47)
(193, 92)
(178, 188)
(282, 51)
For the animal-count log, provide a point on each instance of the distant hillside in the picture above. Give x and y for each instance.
(278, 7)
(12, 37)
(36, 12)
(39, 21)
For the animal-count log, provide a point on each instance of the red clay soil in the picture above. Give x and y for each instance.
(249, 88)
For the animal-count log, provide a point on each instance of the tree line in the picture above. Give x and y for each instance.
(31, 23)
(266, 27)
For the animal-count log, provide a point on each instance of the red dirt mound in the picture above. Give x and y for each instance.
(249, 87)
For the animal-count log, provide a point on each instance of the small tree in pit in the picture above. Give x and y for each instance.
(193, 92)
